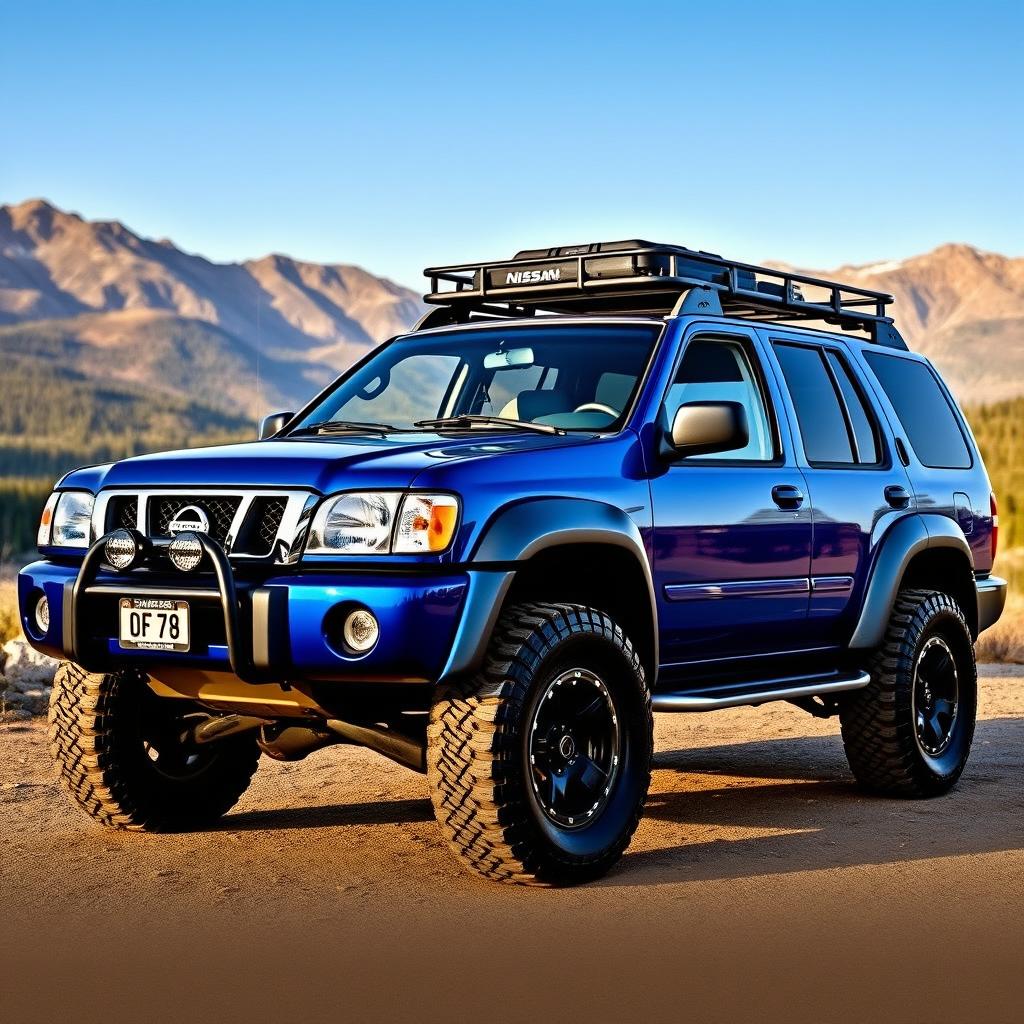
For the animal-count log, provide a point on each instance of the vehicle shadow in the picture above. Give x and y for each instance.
(789, 805)
(377, 812)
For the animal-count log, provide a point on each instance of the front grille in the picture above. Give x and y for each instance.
(258, 532)
(220, 510)
(260, 517)
(123, 512)
(270, 520)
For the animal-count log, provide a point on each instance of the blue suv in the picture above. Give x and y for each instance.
(594, 482)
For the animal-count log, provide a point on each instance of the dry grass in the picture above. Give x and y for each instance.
(1004, 642)
(10, 626)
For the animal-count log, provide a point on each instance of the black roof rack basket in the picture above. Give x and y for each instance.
(637, 277)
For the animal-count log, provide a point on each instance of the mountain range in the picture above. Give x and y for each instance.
(96, 303)
(95, 299)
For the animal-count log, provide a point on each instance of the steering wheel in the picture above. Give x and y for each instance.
(597, 407)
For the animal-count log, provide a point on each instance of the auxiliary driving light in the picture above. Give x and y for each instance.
(43, 615)
(185, 551)
(121, 550)
(361, 631)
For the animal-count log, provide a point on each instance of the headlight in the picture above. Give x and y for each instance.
(71, 525)
(378, 523)
(426, 523)
(354, 524)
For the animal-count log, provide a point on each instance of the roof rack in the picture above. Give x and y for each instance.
(637, 277)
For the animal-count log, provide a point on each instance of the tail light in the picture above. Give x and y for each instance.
(995, 524)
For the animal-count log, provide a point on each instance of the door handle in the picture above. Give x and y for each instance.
(786, 496)
(897, 496)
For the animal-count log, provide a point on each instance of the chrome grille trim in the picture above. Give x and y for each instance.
(287, 546)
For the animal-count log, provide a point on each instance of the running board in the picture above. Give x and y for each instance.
(752, 694)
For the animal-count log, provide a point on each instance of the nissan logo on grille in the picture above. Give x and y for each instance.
(190, 518)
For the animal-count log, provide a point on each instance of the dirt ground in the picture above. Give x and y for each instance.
(761, 886)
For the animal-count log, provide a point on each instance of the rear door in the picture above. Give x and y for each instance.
(856, 483)
(947, 476)
(732, 531)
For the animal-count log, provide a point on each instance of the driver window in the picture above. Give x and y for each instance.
(715, 370)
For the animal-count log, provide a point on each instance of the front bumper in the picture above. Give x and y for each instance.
(282, 628)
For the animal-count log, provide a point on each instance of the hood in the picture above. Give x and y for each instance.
(323, 464)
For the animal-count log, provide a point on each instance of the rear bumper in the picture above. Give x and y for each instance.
(991, 600)
(281, 629)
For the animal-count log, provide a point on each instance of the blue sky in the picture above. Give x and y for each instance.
(396, 135)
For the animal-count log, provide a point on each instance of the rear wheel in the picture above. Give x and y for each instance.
(909, 732)
(540, 765)
(125, 757)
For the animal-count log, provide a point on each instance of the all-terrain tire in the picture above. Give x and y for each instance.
(880, 723)
(479, 744)
(101, 729)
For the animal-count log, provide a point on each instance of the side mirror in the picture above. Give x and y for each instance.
(703, 428)
(273, 424)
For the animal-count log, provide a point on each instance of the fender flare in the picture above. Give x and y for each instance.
(907, 538)
(515, 535)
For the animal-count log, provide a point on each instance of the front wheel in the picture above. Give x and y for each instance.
(124, 755)
(909, 732)
(539, 766)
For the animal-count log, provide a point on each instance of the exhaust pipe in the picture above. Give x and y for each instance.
(285, 742)
(389, 742)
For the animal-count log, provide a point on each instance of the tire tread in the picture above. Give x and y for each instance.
(471, 762)
(85, 712)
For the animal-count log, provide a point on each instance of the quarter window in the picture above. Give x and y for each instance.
(923, 409)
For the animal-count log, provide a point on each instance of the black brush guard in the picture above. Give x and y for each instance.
(254, 618)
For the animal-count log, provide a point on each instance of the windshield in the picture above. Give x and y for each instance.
(573, 377)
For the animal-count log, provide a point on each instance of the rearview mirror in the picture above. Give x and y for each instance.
(704, 428)
(513, 359)
(273, 424)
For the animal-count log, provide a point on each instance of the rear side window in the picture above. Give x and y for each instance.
(862, 426)
(923, 409)
(818, 410)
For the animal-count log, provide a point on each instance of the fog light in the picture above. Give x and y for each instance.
(185, 551)
(120, 550)
(360, 631)
(43, 615)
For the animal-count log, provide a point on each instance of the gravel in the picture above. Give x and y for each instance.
(26, 678)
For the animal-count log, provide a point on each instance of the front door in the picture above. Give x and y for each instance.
(732, 531)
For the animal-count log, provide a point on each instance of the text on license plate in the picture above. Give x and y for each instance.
(153, 624)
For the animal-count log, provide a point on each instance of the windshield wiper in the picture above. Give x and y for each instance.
(343, 427)
(469, 421)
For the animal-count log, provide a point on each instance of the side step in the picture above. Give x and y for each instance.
(762, 691)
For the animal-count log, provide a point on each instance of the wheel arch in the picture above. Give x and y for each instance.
(926, 551)
(561, 549)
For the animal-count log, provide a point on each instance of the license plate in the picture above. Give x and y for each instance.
(153, 624)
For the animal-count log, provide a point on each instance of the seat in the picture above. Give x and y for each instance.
(531, 405)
